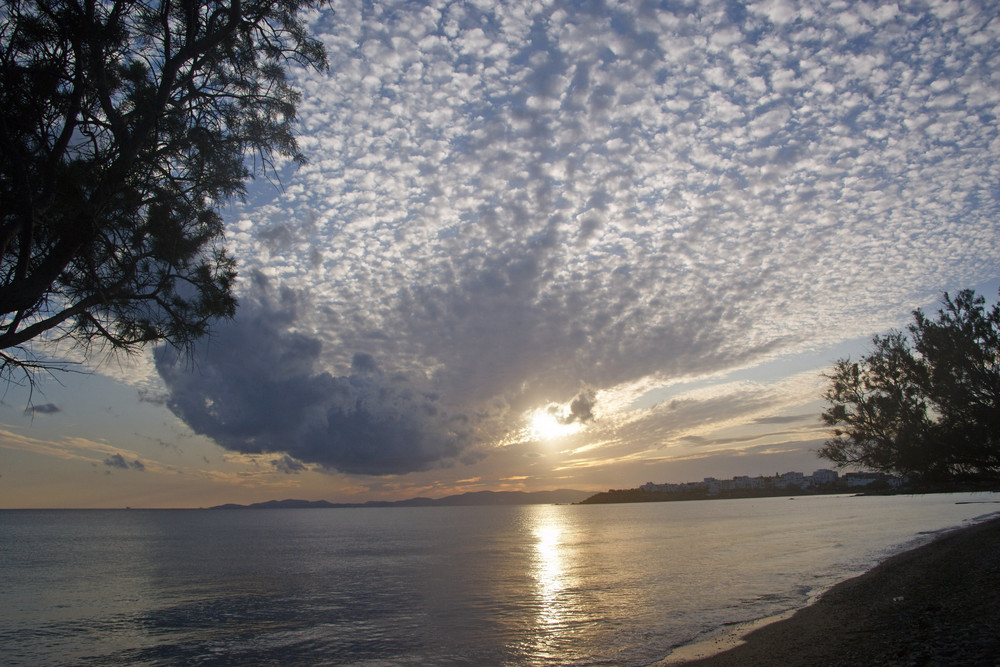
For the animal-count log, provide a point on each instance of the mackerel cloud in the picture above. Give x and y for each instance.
(513, 204)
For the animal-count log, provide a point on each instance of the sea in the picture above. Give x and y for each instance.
(622, 584)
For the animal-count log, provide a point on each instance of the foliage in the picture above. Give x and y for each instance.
(125, 127)
(926, 404)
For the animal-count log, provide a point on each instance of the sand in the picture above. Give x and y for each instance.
(938, 604)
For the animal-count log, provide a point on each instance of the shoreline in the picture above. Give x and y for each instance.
(720, 640)
(937, 603)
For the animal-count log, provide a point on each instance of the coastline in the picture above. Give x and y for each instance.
(936, 604)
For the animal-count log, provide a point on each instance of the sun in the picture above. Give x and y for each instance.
(546, 426)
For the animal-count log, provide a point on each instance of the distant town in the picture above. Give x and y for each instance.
(789, 483)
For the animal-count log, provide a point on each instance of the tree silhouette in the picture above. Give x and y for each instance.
(927, 404)
(125, 127)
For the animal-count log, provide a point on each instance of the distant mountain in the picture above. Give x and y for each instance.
(559, 496)
(513, 498)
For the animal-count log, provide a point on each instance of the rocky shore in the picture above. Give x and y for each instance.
(936, 605)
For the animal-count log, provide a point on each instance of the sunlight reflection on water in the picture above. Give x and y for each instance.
(548, 569)
(556, 608)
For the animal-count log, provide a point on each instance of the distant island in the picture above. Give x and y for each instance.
(557, 497)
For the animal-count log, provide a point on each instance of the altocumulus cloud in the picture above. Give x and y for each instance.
(506, 202)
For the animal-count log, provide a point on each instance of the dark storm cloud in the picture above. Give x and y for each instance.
(259, 386)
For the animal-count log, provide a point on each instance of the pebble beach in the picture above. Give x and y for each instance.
(938, 604)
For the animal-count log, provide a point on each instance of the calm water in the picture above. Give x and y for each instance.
(608, 584)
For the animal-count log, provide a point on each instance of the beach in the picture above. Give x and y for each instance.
(938, 604)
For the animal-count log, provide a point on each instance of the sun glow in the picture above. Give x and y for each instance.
(546, 426)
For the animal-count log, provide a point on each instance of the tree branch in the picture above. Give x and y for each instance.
(14, 338)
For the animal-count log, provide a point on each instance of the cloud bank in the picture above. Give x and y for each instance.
(257, 386)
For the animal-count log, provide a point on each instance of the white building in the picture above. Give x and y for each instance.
(747, 482)
(791, 479)
(824, 476)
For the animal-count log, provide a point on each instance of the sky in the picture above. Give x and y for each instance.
(546, 245)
